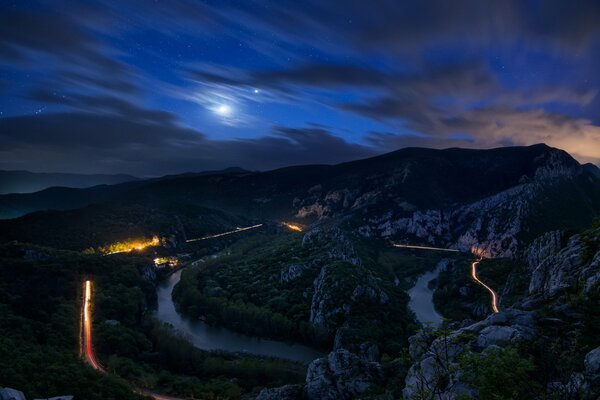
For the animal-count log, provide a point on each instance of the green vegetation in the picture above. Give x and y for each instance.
(448, 298)
(243, 291)
(500, 374)
(105, 224)
(39, 346)
(500, 273)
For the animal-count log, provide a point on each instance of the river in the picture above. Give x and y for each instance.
(421, 298)
(208, 337)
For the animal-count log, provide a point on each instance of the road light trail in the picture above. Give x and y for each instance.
(88, 351)
(493, 294)
(409, 246)
(489, 289)
(236, 230)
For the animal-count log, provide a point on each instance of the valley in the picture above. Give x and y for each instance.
(313, 282)
(299, 200)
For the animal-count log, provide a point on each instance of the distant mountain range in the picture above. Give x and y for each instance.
(496, 199)
(29, 182)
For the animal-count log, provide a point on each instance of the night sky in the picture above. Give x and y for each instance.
(151, 88)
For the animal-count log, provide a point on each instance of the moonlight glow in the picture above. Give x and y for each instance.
(223, 110)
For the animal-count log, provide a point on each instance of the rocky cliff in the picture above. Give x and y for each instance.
(563, 286)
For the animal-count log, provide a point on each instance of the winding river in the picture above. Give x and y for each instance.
(207, 337)
(421, 298)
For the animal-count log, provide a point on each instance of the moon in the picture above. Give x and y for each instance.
(223, 110)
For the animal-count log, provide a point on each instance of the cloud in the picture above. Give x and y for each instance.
(111, 144)
(51, 33)
(114, 84)
(492, 127)
(105, 104)
(428, 73)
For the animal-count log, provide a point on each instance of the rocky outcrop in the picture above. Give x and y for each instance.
(369, 292)
(341, 375)
(14, 394)
(334, 297)
(316, 204)
(591, 274)
(294, 271)
(287, 392)
(592, 367)
(494, 223)
(11, 394)
(555, 274)
(430, 225)
(547, 245)
(436, 367)
(341, 248)
(323, 307)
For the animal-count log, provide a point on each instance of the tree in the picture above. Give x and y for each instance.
(500, 374)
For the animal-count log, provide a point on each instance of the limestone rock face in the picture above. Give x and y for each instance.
(293, 272)
(334, 298)
(341, 375)
(11, 394)
(555, 274)
(592, 366)
(547, 245)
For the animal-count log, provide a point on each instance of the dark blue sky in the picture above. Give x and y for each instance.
(160, 87)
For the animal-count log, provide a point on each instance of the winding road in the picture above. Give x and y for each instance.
(236, 230)
(494, 295)
(489, 289)
(411, 246)
(88, 350)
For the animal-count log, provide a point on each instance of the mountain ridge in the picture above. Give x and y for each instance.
(496, 200)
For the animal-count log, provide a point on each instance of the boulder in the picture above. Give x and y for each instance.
(11, 394)
(592, 364)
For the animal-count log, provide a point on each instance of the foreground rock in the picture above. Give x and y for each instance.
(341, 375)
(287, 392)
(437, 368)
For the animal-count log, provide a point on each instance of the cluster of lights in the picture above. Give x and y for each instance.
(126, 247)
(161, 262)
(292, 226)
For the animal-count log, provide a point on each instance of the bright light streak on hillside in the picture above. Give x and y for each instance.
(489, 289)
(409, 246)
(126, 247)
(88, 353)
(90, 357)
(236, 230)
(292, 226)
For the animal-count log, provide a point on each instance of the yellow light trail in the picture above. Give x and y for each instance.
(409, 246)
(489, 289)
(236, 230)
(292, 226)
